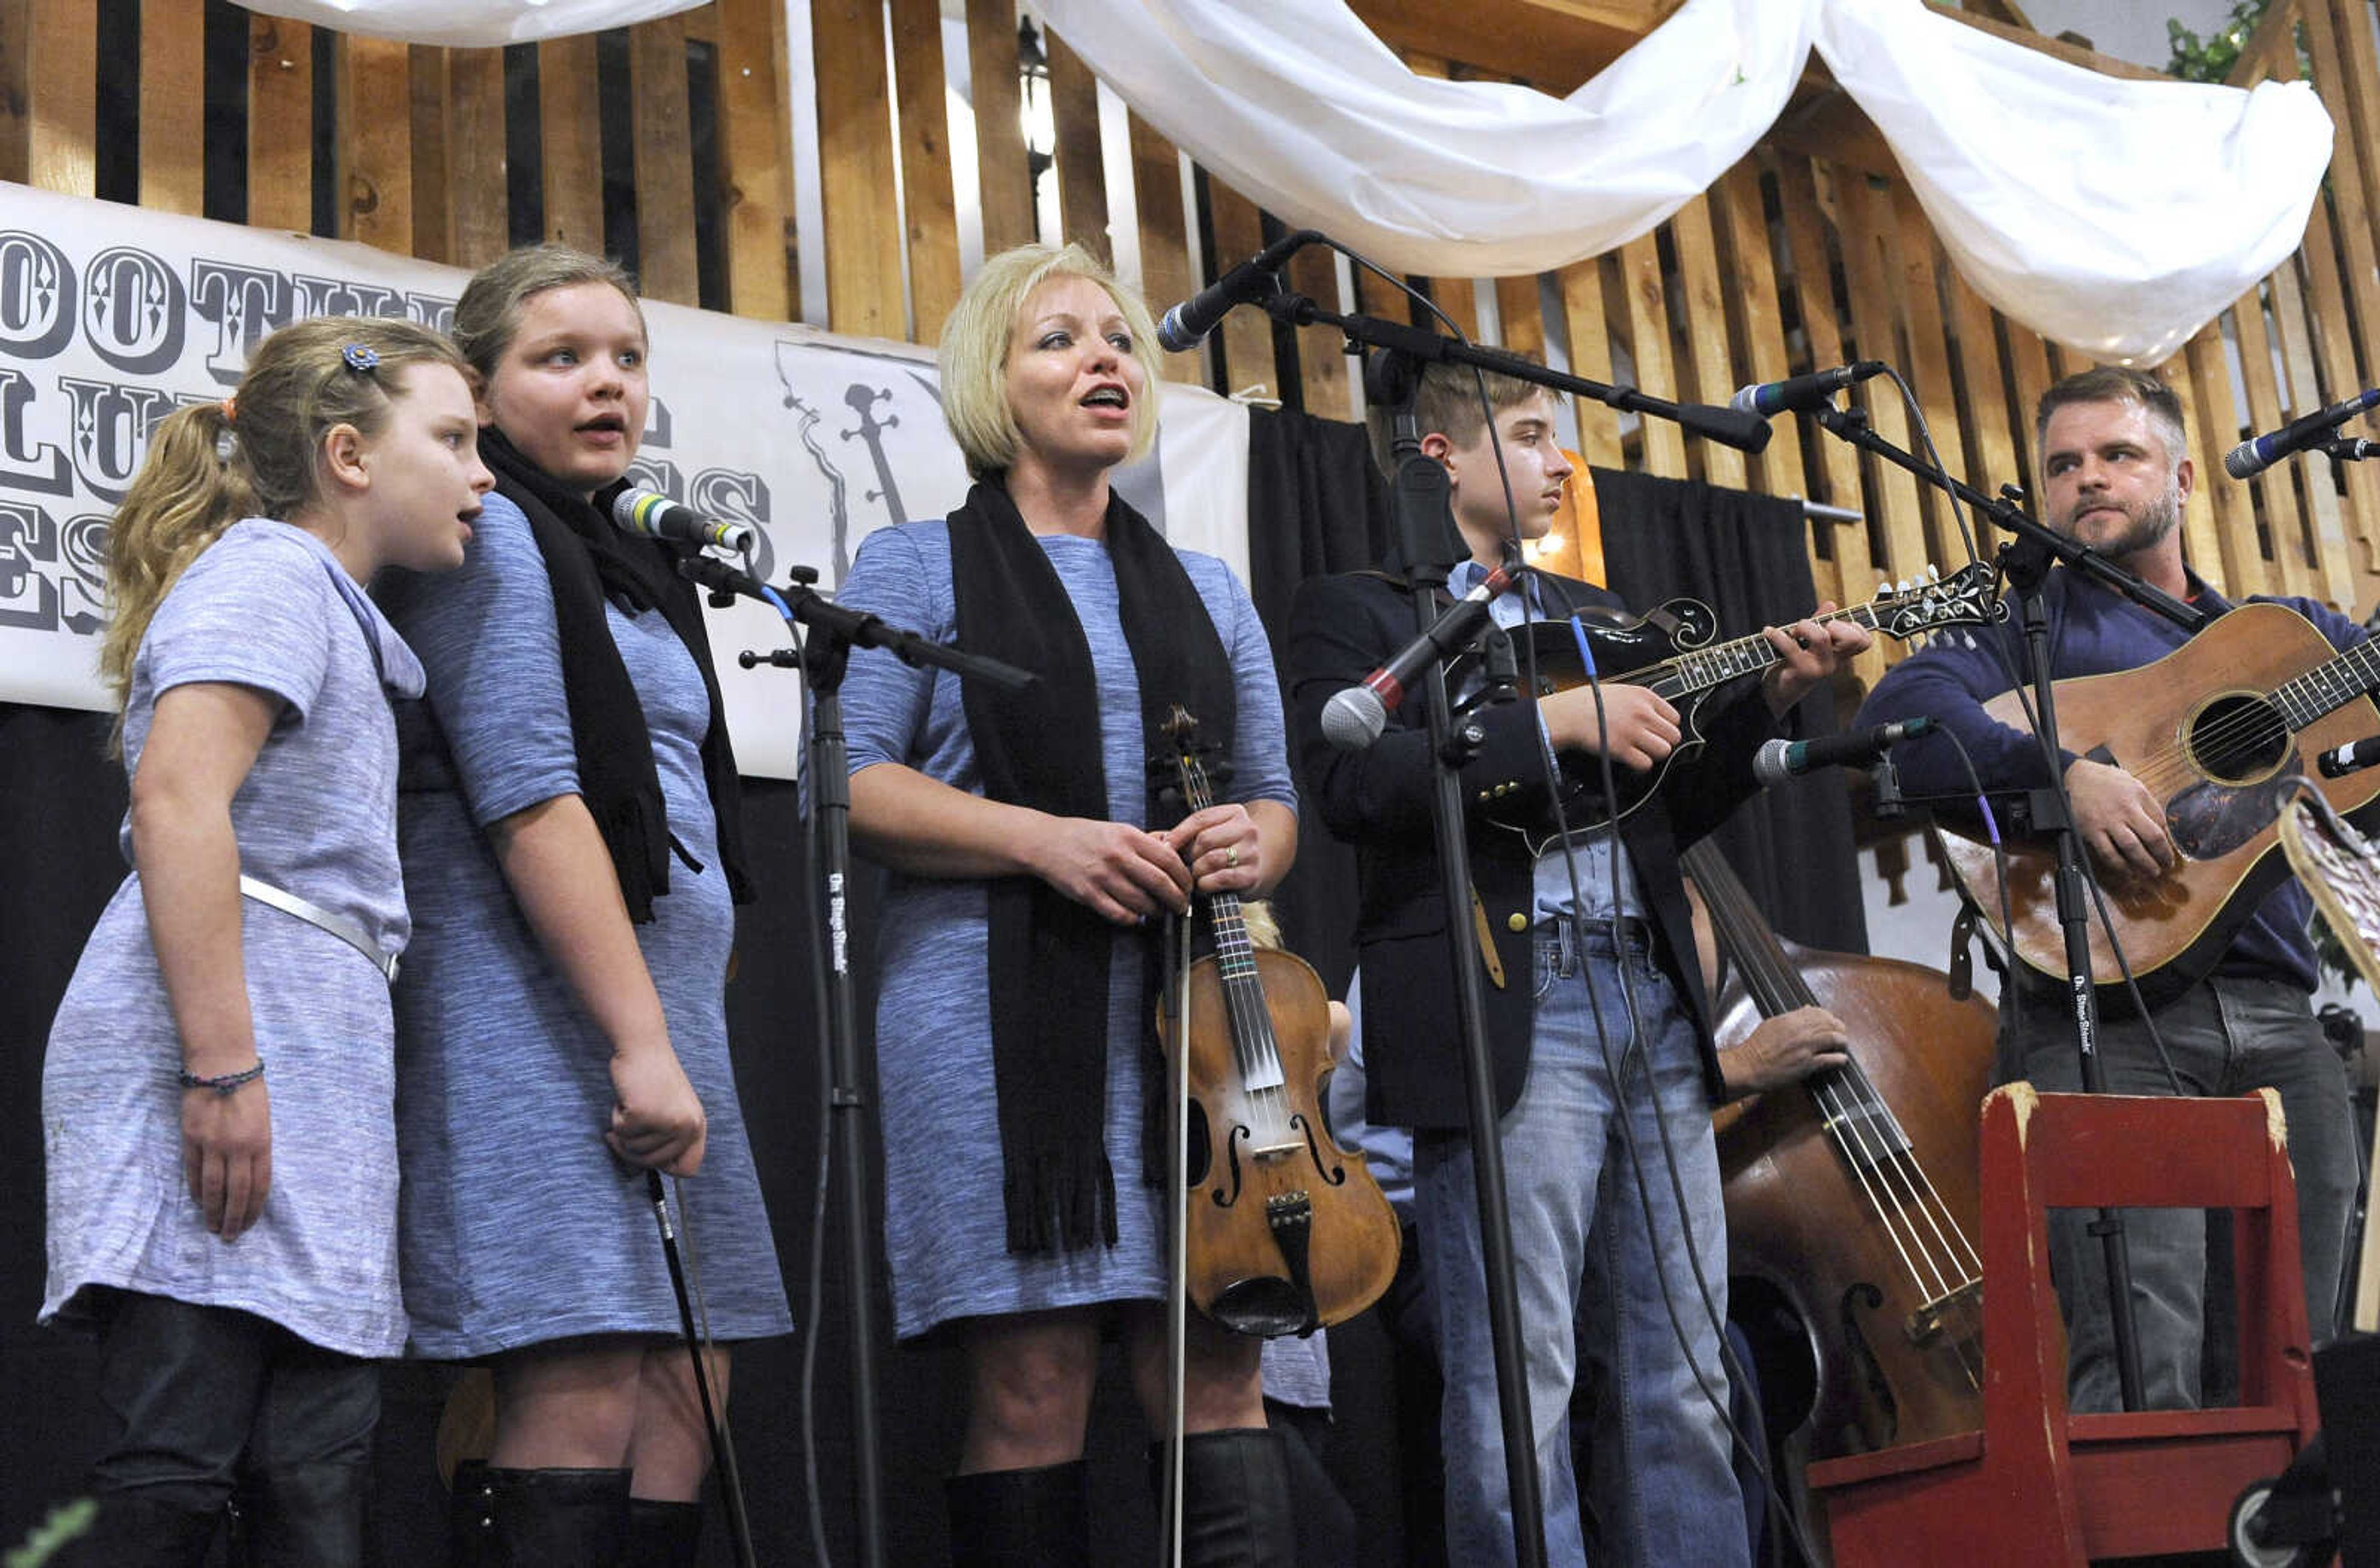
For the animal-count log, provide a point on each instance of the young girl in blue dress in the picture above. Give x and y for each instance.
(232, 1236)
(570, 833)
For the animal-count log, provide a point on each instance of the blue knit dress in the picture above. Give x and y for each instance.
(945, 1228)
(518, 1226)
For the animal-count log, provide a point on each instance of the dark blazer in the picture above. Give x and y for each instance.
(1379, 800)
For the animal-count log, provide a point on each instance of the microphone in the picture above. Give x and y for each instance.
(1797, 393)
(655, 515)
(2341, 761)
(1777, 760)
(2256, 453)
(1353, 719)
(1187, 324)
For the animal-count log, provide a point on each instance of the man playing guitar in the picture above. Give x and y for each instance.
(2115, 476)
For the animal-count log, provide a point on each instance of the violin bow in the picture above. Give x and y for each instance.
(1177, 1183)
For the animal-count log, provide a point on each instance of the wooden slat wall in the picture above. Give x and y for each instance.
(280, 123)
(1738, 286)
(62, 96)
(755, 177)
(571, 129)
(666, 267)
(172, 118)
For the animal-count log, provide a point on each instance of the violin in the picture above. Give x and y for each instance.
(1285, 1230)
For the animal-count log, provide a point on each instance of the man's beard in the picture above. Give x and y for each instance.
(2142, 529)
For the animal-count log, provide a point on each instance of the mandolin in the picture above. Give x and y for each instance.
(1671, 652)
(2219, 730)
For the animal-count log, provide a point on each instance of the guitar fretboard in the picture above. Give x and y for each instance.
(1708, 667)
(2330, 684)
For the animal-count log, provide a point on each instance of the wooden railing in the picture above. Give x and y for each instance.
(668, 142)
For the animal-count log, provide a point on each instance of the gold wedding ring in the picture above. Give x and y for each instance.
(1231, 855)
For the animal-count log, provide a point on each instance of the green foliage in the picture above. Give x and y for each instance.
(2211, 59)
(66, 1522)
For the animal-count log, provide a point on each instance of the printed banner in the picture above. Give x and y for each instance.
(112, 316)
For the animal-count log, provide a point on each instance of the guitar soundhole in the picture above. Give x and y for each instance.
(2234, 739)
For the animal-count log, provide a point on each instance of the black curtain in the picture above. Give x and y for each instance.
(1318, 504)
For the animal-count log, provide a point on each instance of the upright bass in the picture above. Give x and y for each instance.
(1852, 1193)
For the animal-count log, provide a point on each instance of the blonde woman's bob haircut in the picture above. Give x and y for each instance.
(977, 338)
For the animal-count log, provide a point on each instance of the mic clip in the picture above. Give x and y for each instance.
(1884, 798)
(1500, 667)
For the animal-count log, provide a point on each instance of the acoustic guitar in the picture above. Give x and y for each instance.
(2221, 730)
(1671, 652)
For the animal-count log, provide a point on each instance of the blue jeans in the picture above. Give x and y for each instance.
(1586, 1255)
(2227, 1036)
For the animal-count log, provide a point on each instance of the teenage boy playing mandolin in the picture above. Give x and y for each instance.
(1580, 1224)
(2114, 476)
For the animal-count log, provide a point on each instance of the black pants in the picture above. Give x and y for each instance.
(206, 1404)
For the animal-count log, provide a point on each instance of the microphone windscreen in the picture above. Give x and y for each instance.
(1354, 719)
(1772, 764)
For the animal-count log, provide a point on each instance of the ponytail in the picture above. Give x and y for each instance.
(185, 495)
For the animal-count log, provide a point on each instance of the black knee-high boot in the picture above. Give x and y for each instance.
(538, 1518)
(1019, 1518)
(1235, 1507)
(662, 1535)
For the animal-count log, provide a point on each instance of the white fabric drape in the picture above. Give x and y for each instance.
(470, 24)
(2114, 216)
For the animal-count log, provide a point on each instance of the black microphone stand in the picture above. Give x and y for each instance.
(2026, 560)
(823, 658)
(1428, 546)
(1745, 433)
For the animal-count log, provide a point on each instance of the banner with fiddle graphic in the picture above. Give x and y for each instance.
(112, 316)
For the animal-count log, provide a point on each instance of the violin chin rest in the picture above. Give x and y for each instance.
(1267, 1307)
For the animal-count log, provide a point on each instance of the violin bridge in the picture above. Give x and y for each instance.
(1929, 1322)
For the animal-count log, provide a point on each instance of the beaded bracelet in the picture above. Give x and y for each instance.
(224, 1083)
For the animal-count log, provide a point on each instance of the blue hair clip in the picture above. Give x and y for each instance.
(361, 358)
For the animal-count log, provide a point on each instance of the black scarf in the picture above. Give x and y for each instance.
(1040, 747)
(589, 560)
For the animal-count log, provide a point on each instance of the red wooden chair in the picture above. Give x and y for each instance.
(2038, 1486)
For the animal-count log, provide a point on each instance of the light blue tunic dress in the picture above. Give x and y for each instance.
(945, 1228)
(267, 606)
(519, 1225)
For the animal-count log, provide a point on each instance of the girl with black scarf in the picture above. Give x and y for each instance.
(570, 829)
